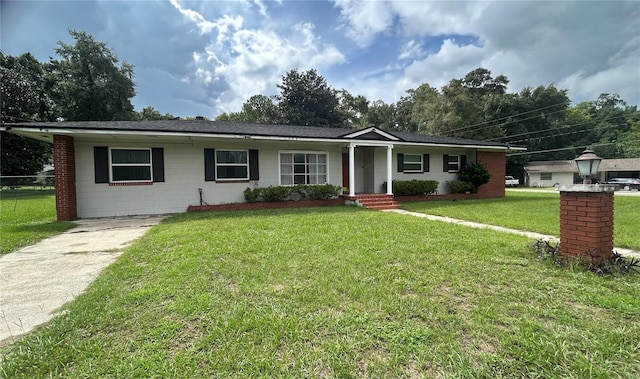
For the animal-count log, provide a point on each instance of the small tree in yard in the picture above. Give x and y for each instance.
(476, 174)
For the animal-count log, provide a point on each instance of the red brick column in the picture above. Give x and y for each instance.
(586, 224)
(64, 163)
(495, 162)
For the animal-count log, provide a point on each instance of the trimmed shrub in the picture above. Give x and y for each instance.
(476, 174)
(413, 187)
(276, 193)
(319, 191)
(251, 195)
(459, 186)
(299, 192)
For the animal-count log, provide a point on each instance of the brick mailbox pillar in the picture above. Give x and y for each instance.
(586, 221)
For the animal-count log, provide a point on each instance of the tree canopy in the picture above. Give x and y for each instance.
(87, 82)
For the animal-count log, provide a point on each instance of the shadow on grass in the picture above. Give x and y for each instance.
(518, 198)
(260, 213)
(42, 228)
(26, 194)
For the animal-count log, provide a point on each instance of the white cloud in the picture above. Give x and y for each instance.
(365, 19)
(242, 62)
(586, 48)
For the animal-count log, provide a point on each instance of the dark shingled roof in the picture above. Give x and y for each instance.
(233, 128)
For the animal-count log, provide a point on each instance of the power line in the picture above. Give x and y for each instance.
(567, 148)
(527, 112)
(556, 128)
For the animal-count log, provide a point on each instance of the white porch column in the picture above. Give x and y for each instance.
(352, 175)
(389, 170)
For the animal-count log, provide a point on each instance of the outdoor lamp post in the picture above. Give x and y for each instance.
(586, 214)
(588, 164)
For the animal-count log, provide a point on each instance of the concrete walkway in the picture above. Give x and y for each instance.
(37, 280)
(471, 224)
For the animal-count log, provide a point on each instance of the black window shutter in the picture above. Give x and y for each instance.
(463, 162)
(157, 160)
(254, 168)
(209, 165)
(425, 162)
(400, 162)
(445, 163)
(101, 163)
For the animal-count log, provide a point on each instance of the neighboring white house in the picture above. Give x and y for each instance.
(106, 169)
(550, 173)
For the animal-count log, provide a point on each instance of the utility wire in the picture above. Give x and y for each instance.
(568, 148)
(527, 112)
(556, 128)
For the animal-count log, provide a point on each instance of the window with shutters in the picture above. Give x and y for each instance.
(130, 165)
(303, 168)
(412, 163)
(453, 163)
(232, 165)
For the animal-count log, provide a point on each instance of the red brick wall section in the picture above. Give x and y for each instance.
(586, 224)
(64, 162)
(496, 164)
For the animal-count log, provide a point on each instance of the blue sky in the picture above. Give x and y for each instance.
(208, 57)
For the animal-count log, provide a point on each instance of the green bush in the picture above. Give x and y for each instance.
(252, 195)
(318, 192)
(276, 193)
(476, 174)
(282, 193)
(460, 186)
(413, 187)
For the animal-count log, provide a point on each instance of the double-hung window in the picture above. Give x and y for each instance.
(303, 168)
(232, 165)
(412, 163)
(453, 163)
(130, 165)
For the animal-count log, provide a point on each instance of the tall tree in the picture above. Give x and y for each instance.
(150, 114)
(258, 109)
(22, 99)
(306, 99)
(89, 83)
(354, 108)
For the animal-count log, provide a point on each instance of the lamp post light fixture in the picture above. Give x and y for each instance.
(588, 164)
(586, 214)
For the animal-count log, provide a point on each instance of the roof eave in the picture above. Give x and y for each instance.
(38, 131)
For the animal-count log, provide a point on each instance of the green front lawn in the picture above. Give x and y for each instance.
(336, 292)
(535, 212)
(26, 217)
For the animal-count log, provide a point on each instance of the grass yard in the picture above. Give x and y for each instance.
(533, 211)
(336, 292)
(26, 217)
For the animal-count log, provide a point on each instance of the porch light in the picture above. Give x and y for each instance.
(588, 164)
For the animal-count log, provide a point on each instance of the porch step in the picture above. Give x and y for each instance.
(373, 201)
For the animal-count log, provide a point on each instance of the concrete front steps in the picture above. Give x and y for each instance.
(377, 201)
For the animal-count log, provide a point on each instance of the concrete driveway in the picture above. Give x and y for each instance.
(37, 280)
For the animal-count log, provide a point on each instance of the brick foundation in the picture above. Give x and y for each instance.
(495, 162)
(586, 224)
(64, 162)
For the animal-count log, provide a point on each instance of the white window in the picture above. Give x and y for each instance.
(232, 165)
(453, 163)
(412, 163)
(303, 168)
(130, 165)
